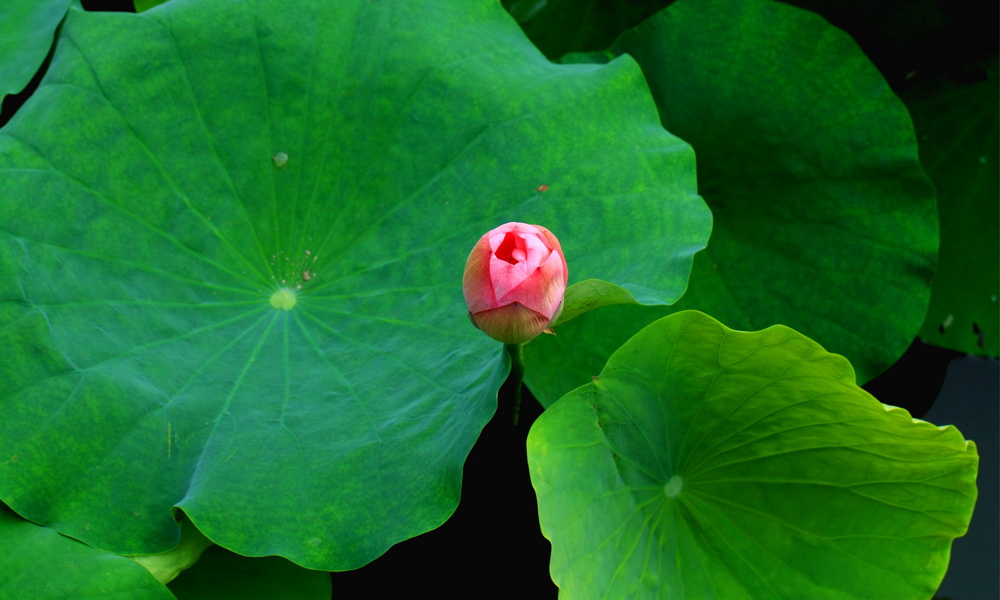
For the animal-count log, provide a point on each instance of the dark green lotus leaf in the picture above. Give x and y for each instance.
(959, 139)
(231, 247)
(27, 29)
(561, 26)
(706, 463)
(37, 563)
(222, 575)
(144, 5)
(824, 219)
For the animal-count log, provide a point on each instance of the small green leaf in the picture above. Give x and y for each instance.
(167, 565)
(37, 563)
(587, 295)
(556, 364)
(705, 463)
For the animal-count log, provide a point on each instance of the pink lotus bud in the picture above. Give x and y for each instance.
(514, 282)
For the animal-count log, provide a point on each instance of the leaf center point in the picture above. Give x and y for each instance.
(674, 486)
(283, 299)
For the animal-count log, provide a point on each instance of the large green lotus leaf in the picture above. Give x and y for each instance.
(27, 29)
(231, 254)
(222, 575)
(707, 463)
(959, 139)
(37, 563)
(824, 219)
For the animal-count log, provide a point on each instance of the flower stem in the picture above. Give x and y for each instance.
(515, 378)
